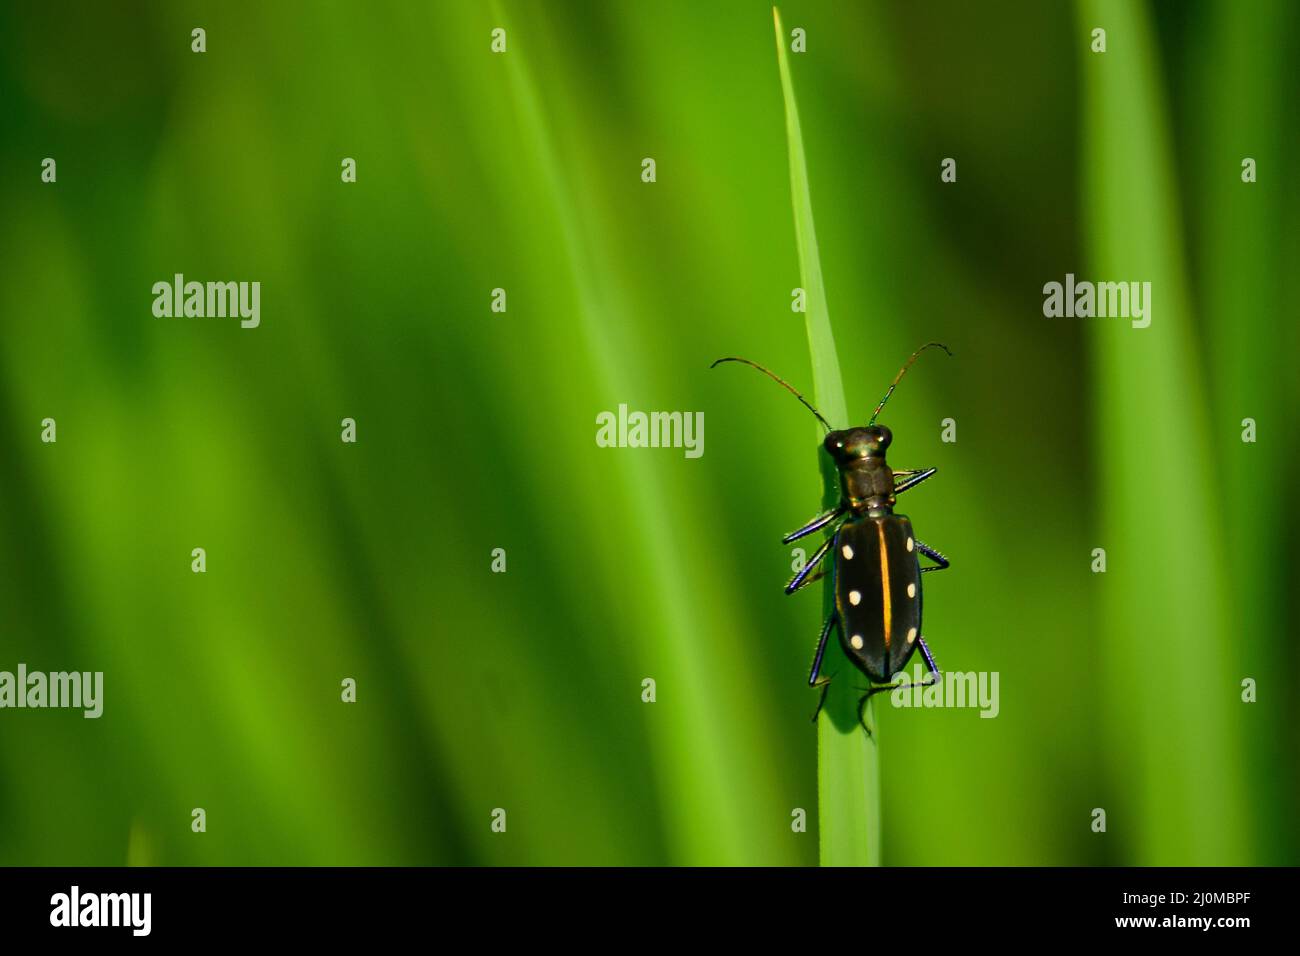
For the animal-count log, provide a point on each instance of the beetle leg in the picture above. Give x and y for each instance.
(815, 678)
(807, 581)
(821, 701)
(816, 524)
(929, 658)
(913, 479)
(862, 713)
(932, 679)
(933, 555)
(800, 579)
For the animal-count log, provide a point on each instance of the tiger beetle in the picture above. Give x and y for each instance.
(876, 566)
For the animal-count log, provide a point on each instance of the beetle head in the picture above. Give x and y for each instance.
(852, 444)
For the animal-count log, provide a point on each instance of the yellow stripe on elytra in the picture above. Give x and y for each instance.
(884, 582)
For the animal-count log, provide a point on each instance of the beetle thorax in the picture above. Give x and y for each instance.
(867, 485)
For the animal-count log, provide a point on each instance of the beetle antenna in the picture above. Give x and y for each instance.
(780, 381)
(901, 372)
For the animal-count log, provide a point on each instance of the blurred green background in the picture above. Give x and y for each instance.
(476, 430)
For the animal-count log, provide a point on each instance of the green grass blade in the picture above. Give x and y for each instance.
(1171, 684)
(705, 740)
(1243, 278)
(848, 772)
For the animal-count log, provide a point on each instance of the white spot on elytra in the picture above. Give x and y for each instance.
(848, 552)
(911, 590)
(855, 597)
(856, 641)
(910, 542)
(911, 634)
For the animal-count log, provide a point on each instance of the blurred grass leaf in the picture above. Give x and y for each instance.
(1165, 635)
